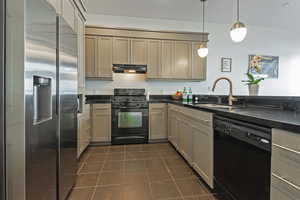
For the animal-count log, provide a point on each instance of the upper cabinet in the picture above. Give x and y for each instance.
(167, 67)
(154, 59)
(105, 57)
(129, 51)
(90, 57)
(139, 52)
(182, 60)
(168, 56)
(68, 12)
(198, 64)
(121, 51)
(99, 57)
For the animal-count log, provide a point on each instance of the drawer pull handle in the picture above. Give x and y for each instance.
(286, 181)
(286, 148)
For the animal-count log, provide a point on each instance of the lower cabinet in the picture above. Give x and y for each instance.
(101, 123)
(172, 125)
(84, 129)
(191, 133)
(285, 166)
(203, 151)
(158, 121)
(185, 138)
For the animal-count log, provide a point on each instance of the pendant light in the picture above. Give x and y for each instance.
(203, 50)
(238, 30)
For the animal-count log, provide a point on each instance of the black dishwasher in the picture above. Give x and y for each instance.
(242, 159)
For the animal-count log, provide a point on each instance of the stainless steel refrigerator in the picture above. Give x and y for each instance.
(51, 103)
(68, 108)
(2, 99)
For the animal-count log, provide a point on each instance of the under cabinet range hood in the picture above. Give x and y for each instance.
(129, 68)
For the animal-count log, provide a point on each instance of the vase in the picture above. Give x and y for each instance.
(253, 89)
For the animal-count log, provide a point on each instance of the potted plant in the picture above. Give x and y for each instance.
(253, 84)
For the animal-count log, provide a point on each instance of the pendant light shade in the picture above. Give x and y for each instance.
(203, 50)
(238, 31)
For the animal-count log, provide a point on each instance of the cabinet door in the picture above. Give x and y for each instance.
(154, 59)
(198, 64)
(81, 54)
(101, 120)
(185, 138)
(104, 57)
(158, 121)
(139, 52)
(172, 127)
(90, 57)
(121, 51)
(167, 59)
(203, 152)
(68, 12)
(183, 59)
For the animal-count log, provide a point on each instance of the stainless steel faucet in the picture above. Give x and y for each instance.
(230, 98)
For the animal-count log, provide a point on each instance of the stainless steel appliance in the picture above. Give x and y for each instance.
(129, 68)
(242, 159)
(2, 99)
(130, 114)
(51, 103)
(68, 108)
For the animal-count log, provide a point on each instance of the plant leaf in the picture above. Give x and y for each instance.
(250, 77)
(257, 81)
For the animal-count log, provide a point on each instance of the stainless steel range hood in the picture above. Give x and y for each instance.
(129, 68)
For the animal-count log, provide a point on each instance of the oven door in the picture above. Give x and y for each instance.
(129, 125)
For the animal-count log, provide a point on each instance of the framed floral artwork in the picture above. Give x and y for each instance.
(264, 66)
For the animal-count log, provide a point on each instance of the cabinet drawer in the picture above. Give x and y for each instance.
(286, 139)
(157, 106)
(101, 108)
(286, 163)
(203, 118)
(281, 189)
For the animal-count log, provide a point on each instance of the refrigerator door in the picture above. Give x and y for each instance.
(68, 108)
(40, 100)
(2, 99)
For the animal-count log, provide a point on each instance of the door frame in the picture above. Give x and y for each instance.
(2, 99)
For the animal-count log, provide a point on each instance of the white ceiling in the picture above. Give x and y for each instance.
(272, 13)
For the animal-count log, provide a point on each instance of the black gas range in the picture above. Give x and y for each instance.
(130, 116)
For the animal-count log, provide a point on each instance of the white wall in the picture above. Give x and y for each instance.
(260, 40)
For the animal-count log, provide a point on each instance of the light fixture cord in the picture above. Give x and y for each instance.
(203, 20)
(238, 10)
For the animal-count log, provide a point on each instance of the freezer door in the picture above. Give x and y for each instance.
(68, 108)
(2, 102)
(40, 100)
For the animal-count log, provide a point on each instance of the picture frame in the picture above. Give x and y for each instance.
(226, 64)
(264, 66)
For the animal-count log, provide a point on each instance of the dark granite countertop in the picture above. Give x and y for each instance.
(269, 117)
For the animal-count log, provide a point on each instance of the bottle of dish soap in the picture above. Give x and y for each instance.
(190, 96)
(185, 95)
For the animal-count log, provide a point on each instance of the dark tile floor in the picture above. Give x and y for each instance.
(137, 172)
